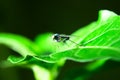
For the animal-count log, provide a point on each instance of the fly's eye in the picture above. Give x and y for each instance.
(56, 37)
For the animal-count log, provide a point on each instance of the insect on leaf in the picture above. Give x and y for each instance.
(98, 40)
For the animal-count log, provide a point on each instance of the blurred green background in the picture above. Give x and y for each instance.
(33, 17)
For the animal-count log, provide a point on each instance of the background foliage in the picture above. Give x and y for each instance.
(30, 18)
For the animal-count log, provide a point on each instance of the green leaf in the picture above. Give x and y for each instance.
(98, 40)
(19, 44)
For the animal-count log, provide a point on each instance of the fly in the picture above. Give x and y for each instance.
(62, 38)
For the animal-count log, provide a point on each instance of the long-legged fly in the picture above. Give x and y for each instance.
(62, 38)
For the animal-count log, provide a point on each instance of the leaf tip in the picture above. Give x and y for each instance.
(105, 15)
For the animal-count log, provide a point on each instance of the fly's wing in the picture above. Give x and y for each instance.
(70, 39)
(74, 38)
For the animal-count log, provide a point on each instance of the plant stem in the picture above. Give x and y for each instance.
(41, 73)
